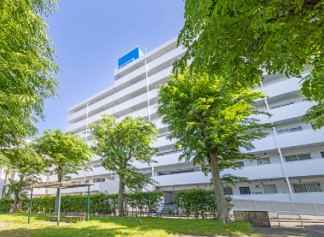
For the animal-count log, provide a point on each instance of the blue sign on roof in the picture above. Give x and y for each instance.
(129, 57)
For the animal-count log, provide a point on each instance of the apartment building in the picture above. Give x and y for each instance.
(290, 158)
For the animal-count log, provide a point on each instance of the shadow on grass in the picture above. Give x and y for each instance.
(124, 226)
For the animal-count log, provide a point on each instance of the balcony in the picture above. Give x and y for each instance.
(182, 179)
(282, 87)
(167, 159)
(286, 113)
(163, 142)
(290, 140)
(167, 58)
(311, 167)
(315, 197)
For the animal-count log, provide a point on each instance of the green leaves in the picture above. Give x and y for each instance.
(236, 39)
(212, 120)
(27, 67)
(206, 113)
(66, 152)
(121, 143)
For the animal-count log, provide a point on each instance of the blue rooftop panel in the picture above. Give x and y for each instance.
(129, 57)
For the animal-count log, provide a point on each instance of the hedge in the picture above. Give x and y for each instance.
(5, 205)
(199, 203)
(100, 203)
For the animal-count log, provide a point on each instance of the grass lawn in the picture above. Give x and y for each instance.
(16, 225)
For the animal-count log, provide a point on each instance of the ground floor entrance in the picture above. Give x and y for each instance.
(169, 197)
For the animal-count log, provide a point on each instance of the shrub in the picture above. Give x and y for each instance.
(100, 203)
(198, 202)
(5, 205)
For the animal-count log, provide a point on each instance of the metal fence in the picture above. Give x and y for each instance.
(316, 209)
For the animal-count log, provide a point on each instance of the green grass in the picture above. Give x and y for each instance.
(16, 225)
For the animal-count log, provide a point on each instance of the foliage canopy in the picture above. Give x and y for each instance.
(27, 67)
(212, 121)
(67, 153)
(120, 144)
(239, 39)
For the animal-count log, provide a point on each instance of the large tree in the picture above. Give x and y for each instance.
(239, 39)
(212, 121)
(27, 67)
(28, 164)
(120, 143)
(67, 153)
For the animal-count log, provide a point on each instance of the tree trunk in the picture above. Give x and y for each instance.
(121, 195)
(222, 212)
(16, 195)
(59, 179)
(5, 184)
(15, 204)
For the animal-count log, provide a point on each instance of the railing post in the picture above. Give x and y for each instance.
(30, 205)
(59, 207)
(315, 209)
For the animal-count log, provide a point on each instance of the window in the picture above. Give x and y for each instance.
(298, 157)
(228, 191)
(282, 105)
(87, 181)
(322, 154)
(111, 177)
(289, 130)
(240, 164)
(270, 188)
(263, 161)
(99, 180)
(96, 166)
(188, 170)
(245, 190)
(306, 188)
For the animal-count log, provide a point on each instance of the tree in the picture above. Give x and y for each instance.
(239, 39)
(67, 153)
(27, 67)
(28, 164)
(122, 143)
(212, 121)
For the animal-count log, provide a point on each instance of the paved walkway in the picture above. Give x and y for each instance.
(293, 228)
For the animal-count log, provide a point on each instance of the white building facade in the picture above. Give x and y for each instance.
(291, 157)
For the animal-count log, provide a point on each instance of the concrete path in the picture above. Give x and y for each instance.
(293, 228)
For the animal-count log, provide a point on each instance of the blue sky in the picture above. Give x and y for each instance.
(89, 38)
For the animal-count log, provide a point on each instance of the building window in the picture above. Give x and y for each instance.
(240, 164)
(148, 174)
(96, 166)
(228, 191)
(289, 130)
(322, 154)
(99, 180)
(270, 188)
(263, 161)
(298, 157)
(87, 181)
(245, 190)
(306, 188)
(111, 177)
(170, 172)
(282, 105)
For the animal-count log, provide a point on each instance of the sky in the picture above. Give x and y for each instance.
(89, 38)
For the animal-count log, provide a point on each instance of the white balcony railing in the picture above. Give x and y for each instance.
(302, 168)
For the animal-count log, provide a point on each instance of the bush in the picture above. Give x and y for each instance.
(144, 201)
(5, 205)
(198, 203)
(100, 203)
